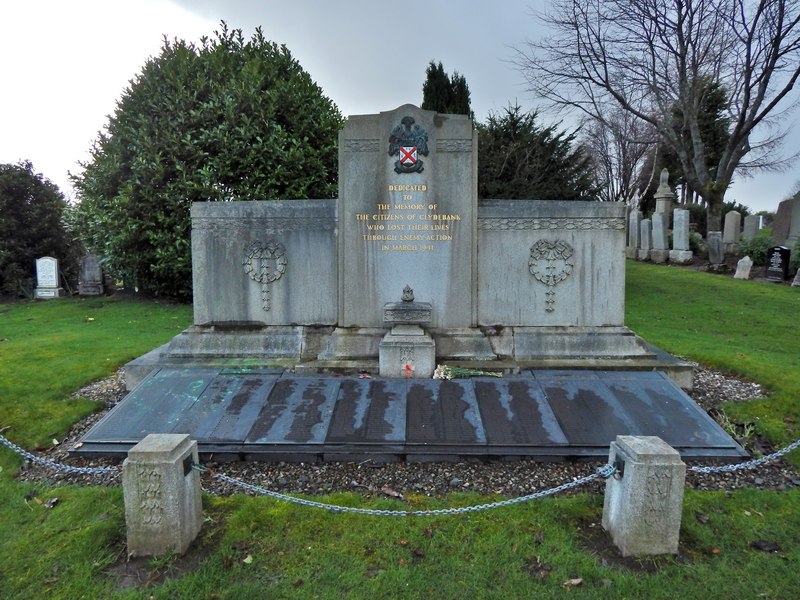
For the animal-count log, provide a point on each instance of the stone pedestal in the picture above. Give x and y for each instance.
(407, 351)
(163, 508)
(642, 508)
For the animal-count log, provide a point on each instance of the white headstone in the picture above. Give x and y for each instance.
(681, 252)
(743, 268)
(660, 251)
(47, 278)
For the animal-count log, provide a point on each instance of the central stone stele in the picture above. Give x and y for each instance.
(313, 284)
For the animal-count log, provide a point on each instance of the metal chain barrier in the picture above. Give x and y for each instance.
(605, 471)
(51, 464)
(749, 464)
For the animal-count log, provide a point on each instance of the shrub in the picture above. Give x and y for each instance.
(758, 247)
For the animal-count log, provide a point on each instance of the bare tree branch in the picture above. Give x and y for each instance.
(654, 59)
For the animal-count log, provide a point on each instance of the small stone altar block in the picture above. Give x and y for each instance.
(642, 509)
(163, 508)
(407, 351)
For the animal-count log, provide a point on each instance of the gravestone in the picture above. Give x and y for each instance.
(786, 227)
(681, 252)
(732, 231)
(660, 251)
(716, 251)
(634, 220)
(47, 278)
(752, 223)
(645, 239)
(743, 268)
(90, 281)
(778, 263)
(796, 280)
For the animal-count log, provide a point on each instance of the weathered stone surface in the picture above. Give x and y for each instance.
(786, 227)
(407, 351)
(634, 219)
(743, 268)
(796, 280)
(680, 229)
(664, 195)
(264, 262)
(90, 280)
(550, 263)
(163, 507)
(752, 223)
(642, 509)
(716, 254)
(415, 226)
(645, 239)
(732, 229)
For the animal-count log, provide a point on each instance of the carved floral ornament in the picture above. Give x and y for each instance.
(551, 263)
(265, 263)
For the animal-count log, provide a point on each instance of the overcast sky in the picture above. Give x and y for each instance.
(65, 63)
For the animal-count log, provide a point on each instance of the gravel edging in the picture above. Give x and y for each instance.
(712, 390)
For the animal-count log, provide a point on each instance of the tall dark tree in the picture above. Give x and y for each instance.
(444, 93)
(32, 225)
(655, 59)
(229, 119)
(518, 159)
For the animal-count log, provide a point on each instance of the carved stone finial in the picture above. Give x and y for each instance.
(408, 294)
(664, 177)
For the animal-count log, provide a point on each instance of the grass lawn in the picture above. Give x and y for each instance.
(260, 548)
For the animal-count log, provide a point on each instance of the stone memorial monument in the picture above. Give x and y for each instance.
(47, 278)
(645, 239)
(328, 284)
(90, 282)
(664, 196)
(786, 228)
(752, 223)
(634, 220)
(660, 251)
(681, 252)
(731, 233)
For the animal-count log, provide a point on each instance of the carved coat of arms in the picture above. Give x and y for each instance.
(408, 142)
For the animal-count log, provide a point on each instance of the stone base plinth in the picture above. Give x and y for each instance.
(643, 254)
(659, 256)
(407, 351)
(47, 293)
(681, 257)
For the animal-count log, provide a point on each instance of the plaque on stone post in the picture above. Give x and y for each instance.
(778, 263)
(47, 278)
(163, 508)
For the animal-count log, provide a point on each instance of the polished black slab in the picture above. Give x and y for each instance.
(275, 415)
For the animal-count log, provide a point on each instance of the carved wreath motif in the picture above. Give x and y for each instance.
(551, 263)
(265, 263)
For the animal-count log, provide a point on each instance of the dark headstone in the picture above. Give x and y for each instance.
(778, 263)
(90, 282)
